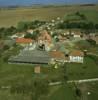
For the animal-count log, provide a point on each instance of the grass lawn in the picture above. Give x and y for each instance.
(6, 95)
(94, 91)
(88, 69)
(64, 92)
(59, 92)
(92, 88)
(22, 74)
(11, 73)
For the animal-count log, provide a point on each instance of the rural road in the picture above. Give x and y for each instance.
(83, 81)
(58, 83)
(75, 81)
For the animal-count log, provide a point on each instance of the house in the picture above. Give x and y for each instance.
(14, 36)
(37, 69)
(1, 44)
(45, 39)
(76, 34)
(21, 34)
(44, 36)
(24, 41)
(96, 39)
(66, 33)
(18, 35)
(30, 31)
(57, 56)
(76, 56)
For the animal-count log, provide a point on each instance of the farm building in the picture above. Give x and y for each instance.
(57, 56)
(31, 57)
(37, 69)
(76, 56)
(76, 34)
(24, 41)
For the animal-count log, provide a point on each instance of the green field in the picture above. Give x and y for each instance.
(92, 88)
(9, 17)
(64, 92)
(60, 92)
(11, 73)
(74, 71)
(82, 71)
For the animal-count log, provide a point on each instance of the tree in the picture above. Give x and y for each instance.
(96, 26)
(10, 31)
(78, 92)
(41, 88)
(92, 42)
(5, 47)
(22, 26)
(61, 26)
(2, 30)
(77, 13)
(5, 58)
(28, 36)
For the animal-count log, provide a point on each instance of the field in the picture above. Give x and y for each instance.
(74, 71)
(9, 17)
(63, 92)
(82, 71)
(91, 88)
(11, 73)
(60, 92)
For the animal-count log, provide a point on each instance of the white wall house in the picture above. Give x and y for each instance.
(76, 56)
(30, 31)
(76, 34)
(77, 59)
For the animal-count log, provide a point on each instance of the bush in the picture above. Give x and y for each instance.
(92, 42)
(94, 58)
(6, 47)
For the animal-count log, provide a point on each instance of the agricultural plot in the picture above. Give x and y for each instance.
(10, 17)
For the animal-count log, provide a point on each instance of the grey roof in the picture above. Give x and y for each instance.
(34, 56)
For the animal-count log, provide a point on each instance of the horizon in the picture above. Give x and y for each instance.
(44, 2)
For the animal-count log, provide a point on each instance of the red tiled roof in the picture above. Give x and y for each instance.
(30, 30)
(76, 53)
(45, 36)
(76, 32)
(57, 54)
(23, 40)
(21, 33)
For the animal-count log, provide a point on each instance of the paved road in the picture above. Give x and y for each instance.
(83, 81)
(76, 81)
(58, 83)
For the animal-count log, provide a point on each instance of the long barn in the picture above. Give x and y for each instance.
(31, 57)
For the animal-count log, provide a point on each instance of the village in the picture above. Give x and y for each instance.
(51, 45)
(55, 56)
